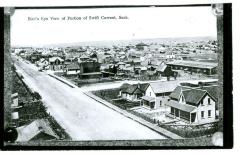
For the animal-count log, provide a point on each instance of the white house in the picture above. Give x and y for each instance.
(193, 105)
(56, 63)
(42, 63)
(157, 93)
(72, 69)
(170, 55)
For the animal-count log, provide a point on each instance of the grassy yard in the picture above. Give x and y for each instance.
(111, 95)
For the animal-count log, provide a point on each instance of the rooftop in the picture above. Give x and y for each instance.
(194, 95)
(195, 64)
(53, 59)
(177, 91)
(28, 132)
(162, 87)
(183, 107)
(132, 88)
(148, 98)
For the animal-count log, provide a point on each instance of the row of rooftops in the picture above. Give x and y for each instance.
(191, 93)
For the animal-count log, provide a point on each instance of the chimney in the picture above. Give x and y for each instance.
(201, 84)
(138, 85)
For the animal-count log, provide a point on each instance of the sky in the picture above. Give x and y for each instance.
(141, 23)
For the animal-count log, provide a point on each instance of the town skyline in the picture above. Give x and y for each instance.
(124, 42)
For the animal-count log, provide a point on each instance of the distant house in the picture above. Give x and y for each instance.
(157, 94)
(121, 65)
(143, 70)
(72, 69)
(108, 59)
(136, 62)
(89, 70)
(56, 63)
(165, 70)
(57, 52)
(37, 130)
(126, 70)
(193, 105)
(170, 55)
(84, 57)
(34, 57)
(43, 63)
(137, 70)
(141, 46)
(133, 92)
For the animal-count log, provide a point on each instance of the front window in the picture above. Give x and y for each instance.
(202, 114)
(209, 113)
(172, 111)
(201, 102)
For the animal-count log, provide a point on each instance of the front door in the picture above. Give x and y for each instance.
(152, 105)
(176, 112)
(193, 116)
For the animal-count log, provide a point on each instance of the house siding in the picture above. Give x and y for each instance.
(159, 97)
(71, 72)
(205, 107)
(130, 97)
(150, 92)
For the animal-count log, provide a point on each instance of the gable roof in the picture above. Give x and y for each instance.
(73, 65)
(42, 60)
(141, 44)
(84, 56)
(53, 59)
(134, 88)
(212, 90)
(193, 95)
(161, 68)
(27, 132)
(162, 87)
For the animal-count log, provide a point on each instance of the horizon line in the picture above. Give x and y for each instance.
(55, 44)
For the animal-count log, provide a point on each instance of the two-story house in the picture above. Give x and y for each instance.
(157, 93)
(56, 63)
(193, 105)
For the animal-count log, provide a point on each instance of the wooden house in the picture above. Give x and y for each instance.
(193, 105)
